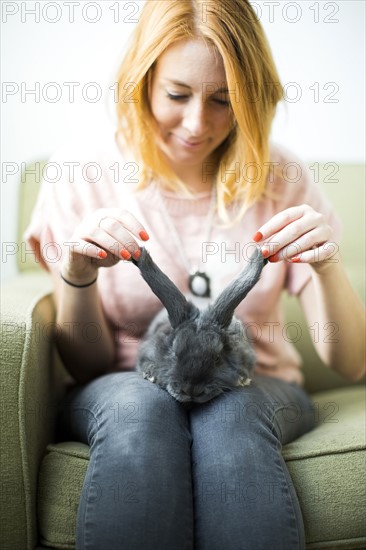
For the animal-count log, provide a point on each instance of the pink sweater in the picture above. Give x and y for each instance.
(127, 300)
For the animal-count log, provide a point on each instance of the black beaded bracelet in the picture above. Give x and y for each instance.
(78, 286)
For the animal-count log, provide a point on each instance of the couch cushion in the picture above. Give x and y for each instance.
(59, 487)
(327, 468)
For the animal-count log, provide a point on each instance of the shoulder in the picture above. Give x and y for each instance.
(289, 166)
(91, 169)
(294, 184)
(100, 147)
(289, 177)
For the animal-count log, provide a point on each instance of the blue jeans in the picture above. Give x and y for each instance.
(163, 476)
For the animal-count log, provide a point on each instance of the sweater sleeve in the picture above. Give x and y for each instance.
(60, 206)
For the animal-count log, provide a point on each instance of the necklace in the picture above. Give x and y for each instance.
(198, 280)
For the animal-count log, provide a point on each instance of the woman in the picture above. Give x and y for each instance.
(191, 170)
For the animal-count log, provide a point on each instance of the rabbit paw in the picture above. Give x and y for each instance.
(148, 376)
(244, 382)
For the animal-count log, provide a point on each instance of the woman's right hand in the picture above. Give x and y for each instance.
(102, 239)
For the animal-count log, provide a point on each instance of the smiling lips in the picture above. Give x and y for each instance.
(190, 144)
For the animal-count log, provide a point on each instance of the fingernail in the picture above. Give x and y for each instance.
(258, 236)
(295, 259)
(137, 254)
(125, 254)
(144, 236)
(102, 254)
(265, 252)
(274, 258)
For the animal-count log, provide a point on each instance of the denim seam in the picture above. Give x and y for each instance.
(291, 504)
(278, 409)
(274, 412)
(86, 509)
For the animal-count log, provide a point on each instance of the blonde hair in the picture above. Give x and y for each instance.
(234, 29)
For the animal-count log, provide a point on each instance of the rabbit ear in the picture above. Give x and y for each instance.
(177, 306)
(223, 308)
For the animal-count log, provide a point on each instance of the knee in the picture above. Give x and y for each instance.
(125, 402)
(233, 411)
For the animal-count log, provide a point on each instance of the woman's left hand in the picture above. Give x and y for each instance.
(298, 234)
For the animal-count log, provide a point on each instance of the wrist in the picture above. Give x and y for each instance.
(327, 266)
(79, 278)
(84, 285)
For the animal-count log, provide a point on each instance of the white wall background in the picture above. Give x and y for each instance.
(318, 46)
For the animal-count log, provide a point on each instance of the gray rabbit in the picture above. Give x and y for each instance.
(196, 355)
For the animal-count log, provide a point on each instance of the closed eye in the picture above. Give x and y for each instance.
(222, 102)
(175, 97)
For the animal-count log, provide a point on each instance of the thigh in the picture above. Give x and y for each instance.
(121, 401)
(287, 406)
(283, 408)
(138, 488)
(243, 494)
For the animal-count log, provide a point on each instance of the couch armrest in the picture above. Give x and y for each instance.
(29, 380)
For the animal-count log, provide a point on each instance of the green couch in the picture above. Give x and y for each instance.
(41, 480)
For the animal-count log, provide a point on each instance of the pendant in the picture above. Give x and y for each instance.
(199, 284)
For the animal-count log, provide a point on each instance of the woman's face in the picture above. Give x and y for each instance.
(190, 103)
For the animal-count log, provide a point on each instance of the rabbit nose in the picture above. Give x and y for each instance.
(192, 391)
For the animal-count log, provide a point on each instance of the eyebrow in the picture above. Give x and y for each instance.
(178, 83)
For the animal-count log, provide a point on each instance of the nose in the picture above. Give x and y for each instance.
(192, 391)
(195, 118)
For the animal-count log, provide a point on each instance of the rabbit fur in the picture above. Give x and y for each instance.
(197, 354)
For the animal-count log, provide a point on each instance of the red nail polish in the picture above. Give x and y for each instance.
(144, 236)
(258, 236)
(125, 254)
(295, 259)
(137, 254)
(102, 254)
(265, 252)
(274, 258)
